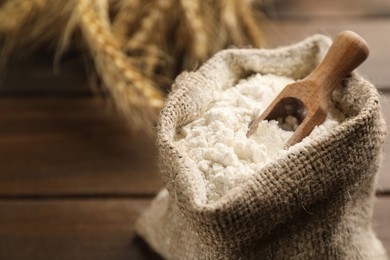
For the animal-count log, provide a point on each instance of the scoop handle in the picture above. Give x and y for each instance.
(346, 53)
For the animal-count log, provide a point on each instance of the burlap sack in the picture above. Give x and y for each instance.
(314, 203)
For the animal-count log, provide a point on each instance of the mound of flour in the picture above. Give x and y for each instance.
(217, 141)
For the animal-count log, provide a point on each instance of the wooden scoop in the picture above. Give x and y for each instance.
(307, 99)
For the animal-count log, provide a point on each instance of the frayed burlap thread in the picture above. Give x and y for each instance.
(314, 203)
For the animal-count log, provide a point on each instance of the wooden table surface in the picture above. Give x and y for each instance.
(73, 179)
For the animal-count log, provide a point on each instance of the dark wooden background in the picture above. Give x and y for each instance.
(73, 179)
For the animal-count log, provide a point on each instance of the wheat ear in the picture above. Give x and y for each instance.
(199, 44)
(134, 94)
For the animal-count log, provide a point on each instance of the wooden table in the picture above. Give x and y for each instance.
(73, 179)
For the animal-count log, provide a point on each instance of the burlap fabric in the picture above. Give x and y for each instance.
(314, 203)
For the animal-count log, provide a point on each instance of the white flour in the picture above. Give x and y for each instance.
(217, 141)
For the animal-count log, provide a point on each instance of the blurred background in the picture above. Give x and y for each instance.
(81, 84)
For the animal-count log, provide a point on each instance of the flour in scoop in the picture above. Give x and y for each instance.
(217, 141)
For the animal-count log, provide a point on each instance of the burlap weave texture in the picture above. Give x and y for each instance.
(314, 203)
